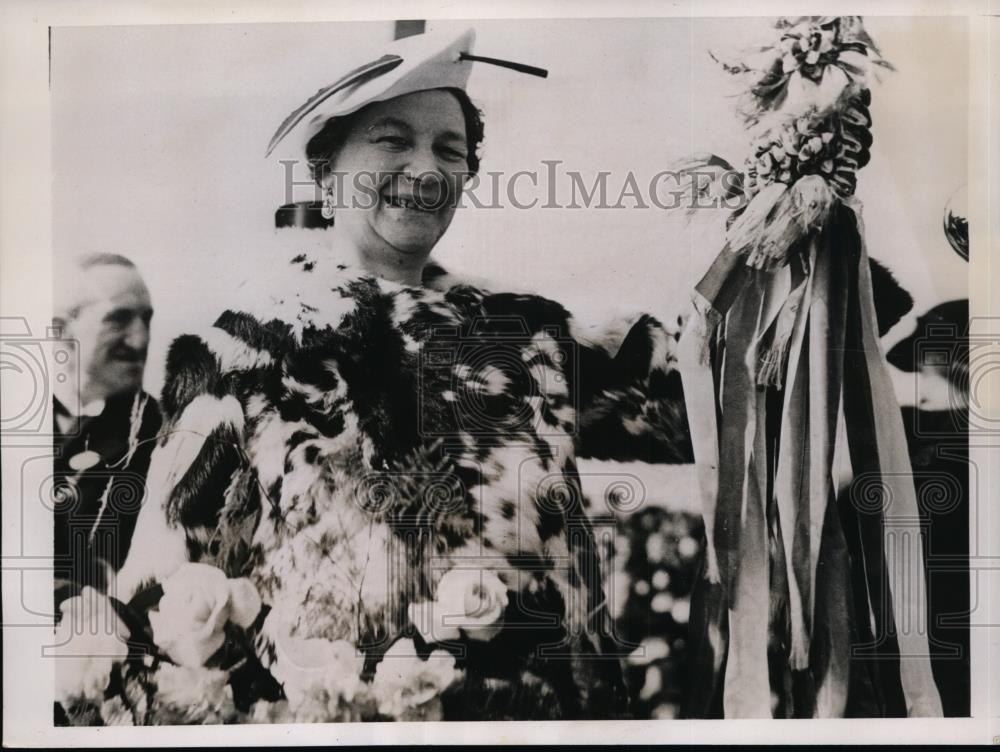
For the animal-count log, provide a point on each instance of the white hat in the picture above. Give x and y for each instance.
(416, 63)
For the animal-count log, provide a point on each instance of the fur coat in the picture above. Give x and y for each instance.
(344, 441)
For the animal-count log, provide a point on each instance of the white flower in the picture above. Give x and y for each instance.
(668, 711)
(197, 601)
(807, 38)
(307, 666)
(470, 600)
(662, 602)
(90, 640)
(651, 649)
(687, 547)
(681, 611)
(656, 548)
(822, 39)
(661, 579)
(652, 684)
(403, 683)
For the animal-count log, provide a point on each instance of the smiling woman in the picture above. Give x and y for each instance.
(385, 460)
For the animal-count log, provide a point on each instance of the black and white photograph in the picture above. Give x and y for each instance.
(511, 368)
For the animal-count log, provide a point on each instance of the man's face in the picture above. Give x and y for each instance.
(111, 330)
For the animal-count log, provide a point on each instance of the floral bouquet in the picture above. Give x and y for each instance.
(185, 652)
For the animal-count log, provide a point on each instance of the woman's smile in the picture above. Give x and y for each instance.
(410, 222)
(410, 201)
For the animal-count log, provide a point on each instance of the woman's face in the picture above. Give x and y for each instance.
(397, 178)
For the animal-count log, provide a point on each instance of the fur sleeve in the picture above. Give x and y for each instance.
(201, 454)
(625, 380)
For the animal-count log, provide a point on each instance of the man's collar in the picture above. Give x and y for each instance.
(68, 406)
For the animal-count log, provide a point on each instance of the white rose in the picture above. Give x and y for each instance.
(470, 600)
(197, 601)
(90, 640)
(403, 683)
(304, 666)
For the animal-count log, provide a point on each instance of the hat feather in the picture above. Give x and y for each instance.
(356, 77)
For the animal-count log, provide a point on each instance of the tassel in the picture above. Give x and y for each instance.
(746, 230)
(771, 365)
(774, 345)
(813, 199)
(795, 213)
(779, 234)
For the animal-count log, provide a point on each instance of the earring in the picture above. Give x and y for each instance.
(327, 210)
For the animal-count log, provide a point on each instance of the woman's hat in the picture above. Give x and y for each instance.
(416, 63)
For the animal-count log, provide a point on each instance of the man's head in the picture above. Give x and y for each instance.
(104, 309)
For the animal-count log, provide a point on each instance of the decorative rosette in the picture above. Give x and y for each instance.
(807, 106)
(822, 58)
(834, 147)
(809, 49)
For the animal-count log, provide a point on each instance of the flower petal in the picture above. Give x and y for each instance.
(194, 652)
(483, 632)
(245, 602)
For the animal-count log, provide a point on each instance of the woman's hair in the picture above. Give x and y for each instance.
(323, 147)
